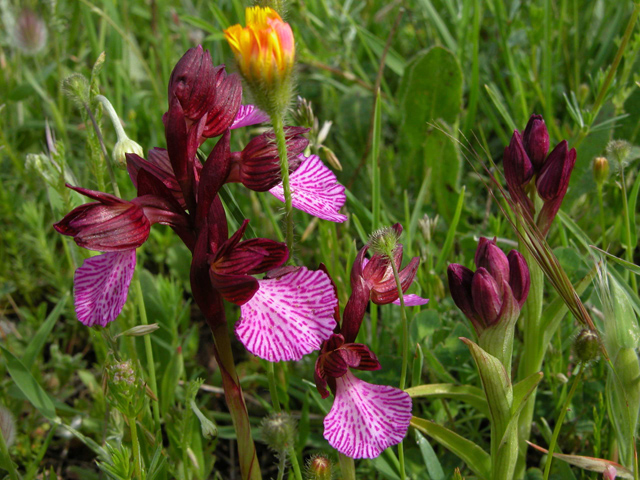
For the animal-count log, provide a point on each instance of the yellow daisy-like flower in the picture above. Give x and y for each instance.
(265, 48)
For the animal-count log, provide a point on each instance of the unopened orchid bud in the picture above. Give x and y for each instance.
(279, 432)
(192, 82)
(487, 298)
(518, 171)
(460, 278)
(600, 170)
(535, 140)
(491, 257)
(519, 278)
(319, 467)
(553, 180)
(586, 346)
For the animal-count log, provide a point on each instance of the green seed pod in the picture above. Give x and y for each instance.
(586, 346)
(600, 170)
(319, 467)
(279, 432)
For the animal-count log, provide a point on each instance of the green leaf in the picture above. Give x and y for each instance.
(632, 267)
(524, 388)
(431, 90)
(464, 393)
(29, 386)
(475, 457)
(430, 459)
(633, 201)
(39, 339)
(451, 233)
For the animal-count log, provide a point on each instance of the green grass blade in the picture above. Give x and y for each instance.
(448, 242)
(37, 342)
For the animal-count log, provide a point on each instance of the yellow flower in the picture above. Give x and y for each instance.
(265, 48)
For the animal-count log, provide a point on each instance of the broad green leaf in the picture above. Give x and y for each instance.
(29, 386)
(475, 457)
(465, 393)
(524, 388)
(430, 458)
(432, 90)
(39, 339)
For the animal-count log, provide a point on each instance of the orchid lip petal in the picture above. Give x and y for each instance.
(249, 115)
(289, 316)
(365, 418)
(101, 285)
(315, 190)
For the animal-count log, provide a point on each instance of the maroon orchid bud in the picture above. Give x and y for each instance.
(227, 101)
(491, 257)
(519, 279)
(553, 179)
(487, 297)
(517, 171)
(460, 278)
(536, 141)
(192, 82)
(259, 164)
(108, 225)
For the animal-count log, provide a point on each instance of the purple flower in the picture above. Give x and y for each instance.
(526, 158)
(495, 291)
(315, 190)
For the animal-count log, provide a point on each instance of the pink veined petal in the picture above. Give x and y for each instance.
(101, 285)
(412, 300)
(315, 190)
(289, 316)
(249, 115)
(365, 418)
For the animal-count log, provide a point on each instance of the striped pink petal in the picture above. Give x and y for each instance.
(315, 190)
(412, 300)
(289, 316)
(366, 419)
(249, 115)
(101, 285)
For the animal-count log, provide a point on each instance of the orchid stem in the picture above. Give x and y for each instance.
(137, 459)
(557, 428)
(153, 384)
(405, 350)
(273, 387)
(249, 466)
(347, 467)
(281, 142)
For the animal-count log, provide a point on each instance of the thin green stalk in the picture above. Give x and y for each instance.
(281, 142)
(282, 463)
(293, 457)
(137, 459)
(405, 351)
(273, 387)
(107, 160)
(153, 384)
(603, 223)
(627, 224)
(557, 428)
(6, 458)
(347, 467)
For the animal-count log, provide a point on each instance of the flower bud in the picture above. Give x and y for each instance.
(517, 170)
(553, 180)
(123, 146)
(487, 298)
(519, 278)
(600, 170)
(586, 346)
(30, 32)
(319, 467)
(192, 82)
(139, 330)
(491, 257)
(384, 241)
(279, 431)
(535, 140)
(619, 149)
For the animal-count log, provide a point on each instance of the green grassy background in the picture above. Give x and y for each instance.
(476, 68)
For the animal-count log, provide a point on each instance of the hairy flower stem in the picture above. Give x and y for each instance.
(627, 224)
(6, 459)
(347, 467)
(556, 429)
(273, 387)
(151, 366)
(249, 467)
(293, 458)
(281, 142)
(405, 350)
(137, 459)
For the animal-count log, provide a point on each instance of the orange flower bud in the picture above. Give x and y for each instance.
(265, 48)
